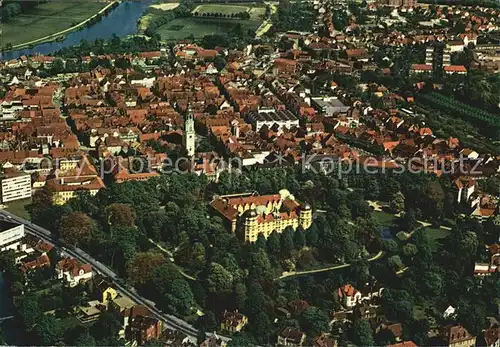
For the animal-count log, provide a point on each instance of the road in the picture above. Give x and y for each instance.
(169, 321)
(330, 268)
(171, 258)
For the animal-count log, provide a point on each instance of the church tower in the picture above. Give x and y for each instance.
(189, 134)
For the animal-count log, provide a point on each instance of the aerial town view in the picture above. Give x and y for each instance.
(316, 173)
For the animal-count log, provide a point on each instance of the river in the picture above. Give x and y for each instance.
(121, 21)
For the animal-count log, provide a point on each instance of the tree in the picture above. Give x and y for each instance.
(385, 337)
(30, 311)
(240, 293)
(473, 317)
(48, 330)
(287, 241)
(124, 246)
(362, 333)
(261, 241)
(120, 215)
(398, 304)
(219, 280)
(208, 321)
(312, 236)
(397, 203)
(409, 220)
(240, 340)
(140, 268)
(106, 326)
(76, 228)
(314, 321)
(85, 339)
(432, 284)
(433, 199)
(180, 296)
(256, 299)
(260, 326)
(273, 243)
(409, 250)
(299, 239)
(395, 263)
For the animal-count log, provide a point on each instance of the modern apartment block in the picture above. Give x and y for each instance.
(16, 185)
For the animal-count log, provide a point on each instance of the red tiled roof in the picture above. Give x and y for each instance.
(455, 68)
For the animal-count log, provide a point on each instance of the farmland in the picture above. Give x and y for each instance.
(46, 19)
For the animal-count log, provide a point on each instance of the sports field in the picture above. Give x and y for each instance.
(199, 26)
(181, 28)
(46, 19)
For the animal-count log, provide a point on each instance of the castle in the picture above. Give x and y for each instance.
(249, 215)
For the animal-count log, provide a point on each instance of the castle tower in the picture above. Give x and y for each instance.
(189, 134)
(250, 230)
(305, 216)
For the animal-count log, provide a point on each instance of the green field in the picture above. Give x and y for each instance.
(47, 19)
(221, 8)
(181, 28)
(199, 26)
(436, 235)
(18, 208)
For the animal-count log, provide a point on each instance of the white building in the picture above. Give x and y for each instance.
(329, 106)
(349, 296)
(11, 235)
(271, 117)
(72, 271)
(15, 186)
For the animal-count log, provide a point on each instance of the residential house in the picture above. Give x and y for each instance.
(291, 337)
(143, 329)
(233, 321)
(298, 306)
(213, 341)
(483, 269)
(325, 340)
(455, 69)
(349, 296)
(420, 68)
(465, 187)
(490, 336)
(456, 336)
(90, 312)
(404, 344)
(72, 271)
(104, 290)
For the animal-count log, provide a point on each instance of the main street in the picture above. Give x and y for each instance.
(169, 321)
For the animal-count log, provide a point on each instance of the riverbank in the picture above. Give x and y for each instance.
(24, 26)
(121, 21)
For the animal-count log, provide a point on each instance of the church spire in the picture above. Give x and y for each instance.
(189, 134)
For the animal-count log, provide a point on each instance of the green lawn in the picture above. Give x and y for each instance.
(181, 28)
(435, 235)
(384, 219)
(47, 19)
(17, 208)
